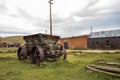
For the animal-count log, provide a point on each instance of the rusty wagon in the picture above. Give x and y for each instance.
(40, 47)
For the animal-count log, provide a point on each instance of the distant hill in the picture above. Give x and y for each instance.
(0, 39)
(10, 39)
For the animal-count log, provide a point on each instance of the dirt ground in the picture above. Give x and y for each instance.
(95, 51)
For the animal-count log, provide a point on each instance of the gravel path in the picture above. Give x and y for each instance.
(94, 51)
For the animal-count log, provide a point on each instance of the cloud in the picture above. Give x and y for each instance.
(88, 10)
(3, 7)
(21, 22)
(101, 14)
(11, 30)
(97, 8)
(91, 3)
(101, 18)
(36, 21)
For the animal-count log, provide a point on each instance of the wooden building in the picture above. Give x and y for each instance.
(74, 42)
(3, 44)
(104, 40)
(14, 44)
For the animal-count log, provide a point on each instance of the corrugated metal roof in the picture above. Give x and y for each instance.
(110, 33)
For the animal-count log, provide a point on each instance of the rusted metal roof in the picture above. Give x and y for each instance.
(101, 34)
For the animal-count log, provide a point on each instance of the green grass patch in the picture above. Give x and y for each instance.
(78, 49)
(8, 50)
(71, 69)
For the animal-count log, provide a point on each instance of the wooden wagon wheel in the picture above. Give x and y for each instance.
(36, 55)
(22, 53)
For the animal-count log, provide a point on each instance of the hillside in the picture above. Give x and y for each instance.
(0, 39)
(10, 39)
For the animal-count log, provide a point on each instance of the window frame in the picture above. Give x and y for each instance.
(107, 43)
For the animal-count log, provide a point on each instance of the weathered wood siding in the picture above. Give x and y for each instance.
(114, 43)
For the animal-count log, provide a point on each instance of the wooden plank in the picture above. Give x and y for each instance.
(110, 69)
(101, 71)
(109, 63)
(112, 63)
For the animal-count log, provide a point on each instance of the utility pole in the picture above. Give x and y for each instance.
(91, 29)
(50, 2)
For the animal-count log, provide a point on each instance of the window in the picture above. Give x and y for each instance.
(66, 45)
(107, 43)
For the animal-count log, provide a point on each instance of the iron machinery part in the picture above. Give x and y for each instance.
(36, 55)
(61, 51)
(64, 54)
(22, 53)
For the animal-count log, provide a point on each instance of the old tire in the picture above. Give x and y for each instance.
(22, 53)
(36, 55)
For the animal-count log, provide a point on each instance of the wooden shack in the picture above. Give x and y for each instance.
(104, 40)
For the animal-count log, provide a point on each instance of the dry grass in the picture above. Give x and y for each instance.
(71, 69)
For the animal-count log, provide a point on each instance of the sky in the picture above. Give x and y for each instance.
(70, 17)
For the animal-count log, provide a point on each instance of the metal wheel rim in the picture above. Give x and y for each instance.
(37, 55)
(19, 54)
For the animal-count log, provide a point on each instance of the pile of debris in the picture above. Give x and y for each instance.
(109, 69)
